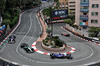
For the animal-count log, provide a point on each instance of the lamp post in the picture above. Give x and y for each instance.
(51, 25)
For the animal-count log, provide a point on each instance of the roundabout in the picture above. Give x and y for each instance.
(46, 52)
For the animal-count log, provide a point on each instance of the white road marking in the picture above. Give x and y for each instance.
(14, 63)
(71, 51)
(49, 62)
(39, 24)
(24, 37)
(40, 52)
(90, 63)
(68, 61)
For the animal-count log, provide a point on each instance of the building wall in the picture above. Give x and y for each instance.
(63, 4)
(77, 12)
(90, 17)
(72, 5)
(68, 3)
(94, 10)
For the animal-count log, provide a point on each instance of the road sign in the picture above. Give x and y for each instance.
(59, 14)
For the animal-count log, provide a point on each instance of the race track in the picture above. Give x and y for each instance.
(29, 31)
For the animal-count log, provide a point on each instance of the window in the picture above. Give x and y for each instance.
(62, 3)
(94, 13)
(66, 3)
(95, 5)
(71, 2)
(59, 4)
(84, 0)
(72, 5)
(94, 21)
(84, 7)
(72, 9)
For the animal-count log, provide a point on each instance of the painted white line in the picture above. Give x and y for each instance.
(71, 51)
(40, 52)
(12, 31)
(25, 36)
(40, 26)
(73, 48)
(34, 43)
(15, 63)
(68, 61)
(25, 65)
(90, 63)
(34, 47)
(48, 54)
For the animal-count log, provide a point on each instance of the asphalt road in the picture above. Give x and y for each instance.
(29, 31)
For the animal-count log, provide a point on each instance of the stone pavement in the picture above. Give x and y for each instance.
(44, 34)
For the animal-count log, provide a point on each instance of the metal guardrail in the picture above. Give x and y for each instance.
(89, 39)
(4, 62)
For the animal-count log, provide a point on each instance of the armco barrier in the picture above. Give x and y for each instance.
(97, 64)
(1, 62)
(4, 62)
(89, 39)
(6, 34)
(7, 63)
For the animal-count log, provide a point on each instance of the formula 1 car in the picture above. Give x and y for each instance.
(27, 48)
(11, 39)
(65, 34)
(59, 55)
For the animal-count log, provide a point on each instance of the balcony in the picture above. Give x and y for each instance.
(83, 23)
(84, 3)
(83, 17)
(84, 10)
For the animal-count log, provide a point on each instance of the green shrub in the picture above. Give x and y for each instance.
(51, 43)
(99, 38)
(55, 37)
(58, 43)
(44, 42)
(47, 38)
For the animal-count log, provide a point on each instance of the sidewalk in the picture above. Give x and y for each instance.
(44, 34)
(77, 31)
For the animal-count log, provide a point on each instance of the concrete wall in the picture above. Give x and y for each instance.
(77, 12)
(94, 10)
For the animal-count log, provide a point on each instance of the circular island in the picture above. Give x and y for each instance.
(53, 44)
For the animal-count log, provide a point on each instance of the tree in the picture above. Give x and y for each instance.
(2, 5)
(10, 3)
(7, 22)
(57, 5)
(72, 17)
(56, 0)
(94, 31)
(68, 21)
(47, 12)
(58, 43)
(48, 30)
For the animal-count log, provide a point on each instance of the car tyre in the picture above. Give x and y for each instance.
(52, 57)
